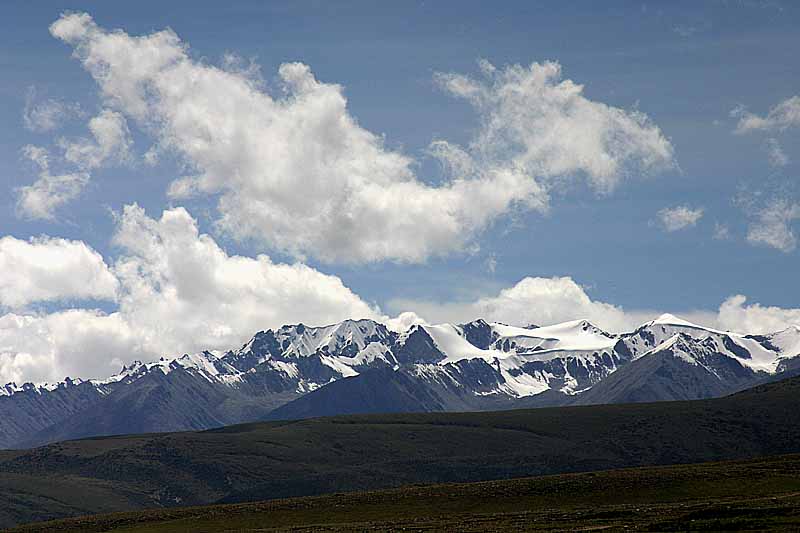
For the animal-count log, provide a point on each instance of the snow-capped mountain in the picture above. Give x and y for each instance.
(363, 366)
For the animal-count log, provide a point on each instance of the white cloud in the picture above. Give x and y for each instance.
(783, 116)
(111, 143)
(775, 154)
(772, 225)
(46, 115)
(182, 292)
(537, 123)
(50, 191)
(178, 291)
(546, 301)
(299, 173)
(755, 318)
(46, 269)
(403, 321)
(679, 217)
(75, 343)
(533, 300)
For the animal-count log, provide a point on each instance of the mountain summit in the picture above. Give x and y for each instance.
(359, 366)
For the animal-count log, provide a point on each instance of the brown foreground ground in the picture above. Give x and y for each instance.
(756, 495)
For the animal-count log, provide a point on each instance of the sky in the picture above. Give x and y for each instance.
(179, 175)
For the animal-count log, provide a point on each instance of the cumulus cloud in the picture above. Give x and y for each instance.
(781, 117)
(300, 174)
(541, 125)
(735, 314)
(181, 291)
(679, 217)
(76, 343)
(176, 291)
(772, 225)
(546, 301)
(111, 143)
(46, 115)
(403, 321)
(533, 300)
(46, 269)
(50, 191)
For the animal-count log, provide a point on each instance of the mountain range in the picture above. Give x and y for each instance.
(362, 366)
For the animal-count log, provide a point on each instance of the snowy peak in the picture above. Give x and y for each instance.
(346, 338)
(576, 335)
(785, 342)
(575, 329)
(569, 356)
(673, 323)
(479, 333)
(673, 320)
(682, 346)
(342, 347)
(12, 388)
(753, 352)
(475, 365)
(206, 364)
(452, 342)
(417, 345)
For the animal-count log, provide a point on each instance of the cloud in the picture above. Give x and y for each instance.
(679, 217)
(46, 115)
(755, 318)
(537, 123)
(50, 191)
(403, 321)
(46, 269)
(182, 292)
(112, 142)
(176, 291)
(298, 173)
(546, 301)
(772, 225)
(533, 300)
(781, 117)
(775, 154)
(75, 343)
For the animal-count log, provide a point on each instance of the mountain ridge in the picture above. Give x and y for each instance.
(291, 372)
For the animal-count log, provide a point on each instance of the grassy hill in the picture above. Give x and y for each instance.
(751, 495)
(288, 459)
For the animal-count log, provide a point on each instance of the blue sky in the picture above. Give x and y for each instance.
(686, 65)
